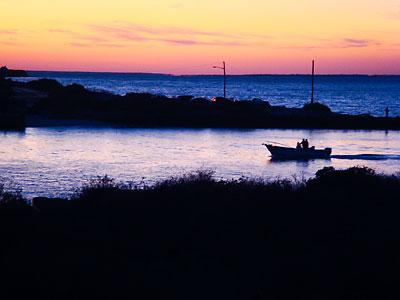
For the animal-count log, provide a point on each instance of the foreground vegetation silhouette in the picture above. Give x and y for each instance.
(194, 237)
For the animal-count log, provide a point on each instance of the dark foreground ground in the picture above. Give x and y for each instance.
(336, 236)
(46, 102)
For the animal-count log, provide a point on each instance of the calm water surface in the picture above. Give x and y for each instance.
(55, 161)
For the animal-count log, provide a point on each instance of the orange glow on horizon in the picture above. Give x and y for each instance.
(188, 37)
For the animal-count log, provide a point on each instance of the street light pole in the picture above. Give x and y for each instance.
(312, 83)
(223, 68)
(224, 80)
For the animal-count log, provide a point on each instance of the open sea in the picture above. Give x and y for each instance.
(55, 161)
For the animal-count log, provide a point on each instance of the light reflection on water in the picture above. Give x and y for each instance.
(55, 161)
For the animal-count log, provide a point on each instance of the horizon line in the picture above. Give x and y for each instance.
(209, 74)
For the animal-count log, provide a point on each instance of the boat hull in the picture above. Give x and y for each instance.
(296, 153)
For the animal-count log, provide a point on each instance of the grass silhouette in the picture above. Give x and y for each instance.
(195, 237)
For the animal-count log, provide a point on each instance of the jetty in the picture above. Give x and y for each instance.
(46, 102)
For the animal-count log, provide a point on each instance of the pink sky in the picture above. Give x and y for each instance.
(188, 37)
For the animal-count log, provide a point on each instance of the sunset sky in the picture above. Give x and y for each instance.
(189, 36)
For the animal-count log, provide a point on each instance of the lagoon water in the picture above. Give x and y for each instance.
(55, 161)
(343, 93)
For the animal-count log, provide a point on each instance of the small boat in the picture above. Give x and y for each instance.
(279, 152)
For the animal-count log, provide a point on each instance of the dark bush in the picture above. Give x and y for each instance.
(45, 85)
(317, 107)
(260, 102)
(222, 101)
(75, 89)
(12, 200)
(3, 72)
(184, 98)
(6, 91)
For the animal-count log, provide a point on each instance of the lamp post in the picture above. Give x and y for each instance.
(222, 68)
(312, 83)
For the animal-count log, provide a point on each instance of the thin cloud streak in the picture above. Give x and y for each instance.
(79, 36)
(170, 35)
(56, 30)
(140, 29)
(102, 35)
(8, 31)
(358, 43)
(11, 43)
(339, 44)
(106, 45)
(194, 42)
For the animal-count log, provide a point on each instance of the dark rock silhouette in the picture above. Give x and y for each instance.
(12, 111)
(144, 109)
(6, 90)
(45, 85)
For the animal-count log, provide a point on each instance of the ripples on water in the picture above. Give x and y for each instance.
(347, 94)
(55, 161)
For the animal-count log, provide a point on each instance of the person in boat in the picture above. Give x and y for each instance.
(304, 143)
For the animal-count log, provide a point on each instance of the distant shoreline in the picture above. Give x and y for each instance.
(210, 74)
